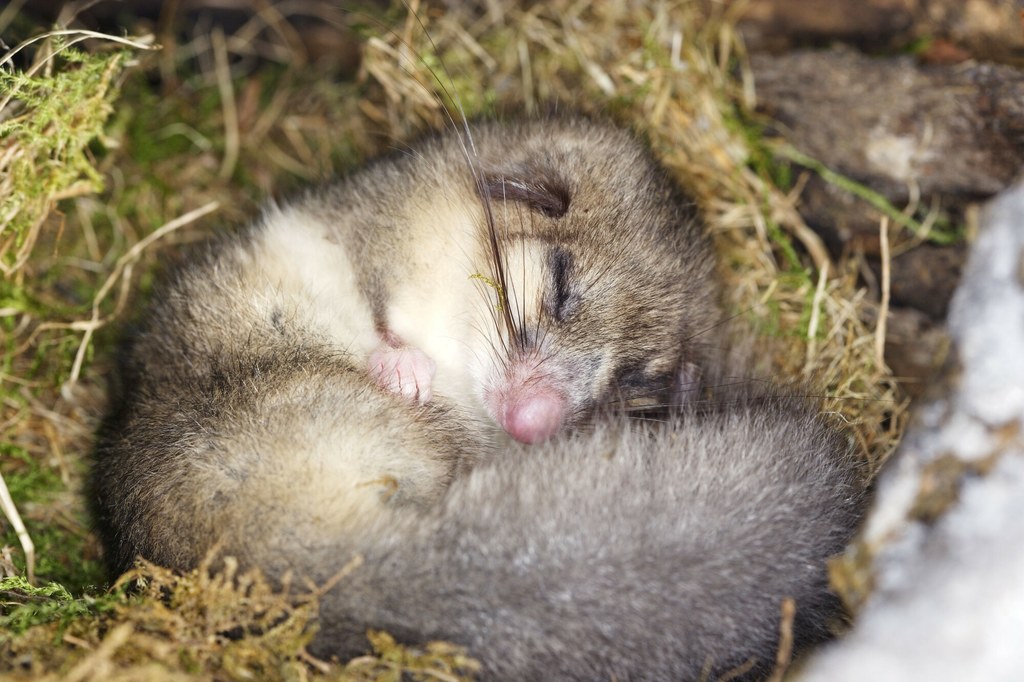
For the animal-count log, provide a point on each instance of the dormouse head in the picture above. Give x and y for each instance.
(600, 276)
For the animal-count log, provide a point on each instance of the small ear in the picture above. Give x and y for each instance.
(689, 383)
(551, 198)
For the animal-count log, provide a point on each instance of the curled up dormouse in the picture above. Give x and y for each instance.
(480, 365)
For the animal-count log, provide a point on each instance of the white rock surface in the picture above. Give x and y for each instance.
(949, 597)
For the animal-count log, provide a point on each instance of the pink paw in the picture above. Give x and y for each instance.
(404, 371)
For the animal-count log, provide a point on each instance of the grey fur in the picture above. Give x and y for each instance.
(635, 551)
(245, 419)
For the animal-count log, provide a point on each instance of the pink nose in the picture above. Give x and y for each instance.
(534, 414)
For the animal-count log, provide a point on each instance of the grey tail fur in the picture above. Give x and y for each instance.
(635, 551)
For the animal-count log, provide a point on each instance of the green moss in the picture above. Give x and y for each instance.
(148, 138)
(919, 45)
(25, 478)
(63, 556)
(54, 116)
(761, 158)
(23, 606)
(65, 551)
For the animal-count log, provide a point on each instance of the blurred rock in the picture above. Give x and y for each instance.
(925, 277)
(915, 349)
(957, 132)
(945, 136)
(776, 25)
(940, 30)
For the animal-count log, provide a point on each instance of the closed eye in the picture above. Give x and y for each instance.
(634, 384)
(560, 260)
(564, 298)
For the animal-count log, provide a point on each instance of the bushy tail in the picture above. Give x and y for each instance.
(635, 551)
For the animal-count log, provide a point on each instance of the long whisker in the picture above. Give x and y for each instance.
(498, 265)
(469, 150)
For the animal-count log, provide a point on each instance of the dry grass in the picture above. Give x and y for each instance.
(238, 116)
(228, 626)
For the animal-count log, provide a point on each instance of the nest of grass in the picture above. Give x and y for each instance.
(111, 152)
